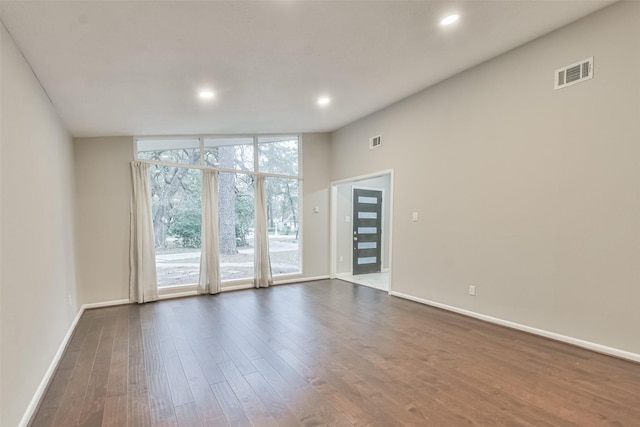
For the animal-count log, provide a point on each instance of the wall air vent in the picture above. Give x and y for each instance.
(574, 73)
(375, 142)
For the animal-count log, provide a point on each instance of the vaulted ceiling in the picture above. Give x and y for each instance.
(136, 67)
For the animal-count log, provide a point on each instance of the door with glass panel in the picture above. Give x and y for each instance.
(367, 231)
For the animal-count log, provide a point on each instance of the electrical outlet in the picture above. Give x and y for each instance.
(472, 290)
(414, 217)
(341, 258)
(347, 218)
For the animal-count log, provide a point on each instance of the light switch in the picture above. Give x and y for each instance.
(415, 217)
(347, 218)
(316, 209)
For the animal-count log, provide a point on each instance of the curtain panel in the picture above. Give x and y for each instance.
(142, 254)
(209, 282)
(263, 276)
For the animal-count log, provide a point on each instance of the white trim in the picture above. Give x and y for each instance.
(333, 232)
(105, 304)
(598, 348)
(301, 280)
(390, 269)
(300, 226)
(177, 295)
(176, 289)
(48, 376)
(237, 287)
(363, 177)
(234, 171)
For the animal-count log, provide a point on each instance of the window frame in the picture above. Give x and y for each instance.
(191, 289)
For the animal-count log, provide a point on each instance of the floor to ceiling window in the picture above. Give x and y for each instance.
(177, 203)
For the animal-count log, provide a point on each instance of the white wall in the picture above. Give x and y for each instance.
(344, 229)
(38, 283)
(531, 194)
(316, 171)
(103, 192)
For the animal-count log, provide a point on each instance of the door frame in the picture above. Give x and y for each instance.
(333, 226)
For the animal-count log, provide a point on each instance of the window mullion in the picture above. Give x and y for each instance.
(255, 154)
(202, 151)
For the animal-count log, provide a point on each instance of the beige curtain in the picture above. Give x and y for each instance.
(143, 285)
(210, 257)
(263, 277)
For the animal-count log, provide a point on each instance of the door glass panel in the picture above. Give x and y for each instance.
(368, 200)
(177, 221)
(367, 245)
(367, 230)
(367, 215)
(229, 153)
(236, 219)
(367, 260)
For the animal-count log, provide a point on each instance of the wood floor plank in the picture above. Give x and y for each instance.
(253, 407)
(49, 406)
(161, 405)
(325, 353)
(275, 404)
(71, 404)
(188, 415)
(230, 405)
(115, 411)
(178, 384)
(94, 400)
(138, 406)
(208, 407)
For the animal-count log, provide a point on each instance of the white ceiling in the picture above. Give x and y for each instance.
(135, 67)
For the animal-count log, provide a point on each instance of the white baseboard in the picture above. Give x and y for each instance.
(105, 304)
(611, 351)
(301, 280)
(237, 287)
(177, 295)
(42, 388)
(46, 379)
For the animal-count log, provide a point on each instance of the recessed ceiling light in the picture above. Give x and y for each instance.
(324, 100)
(206, 94)
(450, 19)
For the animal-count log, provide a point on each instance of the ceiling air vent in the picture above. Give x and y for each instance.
(375, 142)
(574, 73)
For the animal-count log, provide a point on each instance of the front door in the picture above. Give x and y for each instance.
(367, 232)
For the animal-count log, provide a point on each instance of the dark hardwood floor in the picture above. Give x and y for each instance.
(325, 353)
